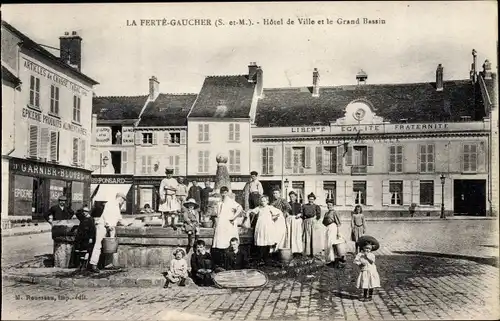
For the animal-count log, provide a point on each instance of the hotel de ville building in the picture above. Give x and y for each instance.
(387, 147)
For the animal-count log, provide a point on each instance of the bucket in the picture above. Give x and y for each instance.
(207, 224)
(286, 255)
(109, 245)
(340, 249)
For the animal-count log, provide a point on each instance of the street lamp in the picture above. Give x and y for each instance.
(443, 178)
(286, 187)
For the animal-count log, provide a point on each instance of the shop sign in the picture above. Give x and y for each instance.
(111, 180)
(128, 136)
(52, 121)
(23, 194)
(20, 166)
(103, 135)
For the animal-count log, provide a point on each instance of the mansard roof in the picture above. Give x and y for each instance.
(167, 110)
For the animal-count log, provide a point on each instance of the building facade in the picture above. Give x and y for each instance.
(51, 109)
(384, 147)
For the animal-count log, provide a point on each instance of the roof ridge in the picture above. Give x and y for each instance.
(179, 94)
(137, 96)
(220, 76)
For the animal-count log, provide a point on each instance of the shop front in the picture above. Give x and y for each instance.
(105, 187)
(36, 186)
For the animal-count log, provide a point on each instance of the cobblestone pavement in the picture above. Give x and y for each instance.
(416, 284)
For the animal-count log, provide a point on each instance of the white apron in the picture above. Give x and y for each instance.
(171, 204)
(225, 230)
(294, 234)
(267, 232)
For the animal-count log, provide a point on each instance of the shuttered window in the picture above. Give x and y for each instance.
(299, 158)
(267, 161)
(54, 100)
(330, 189)
(426, 156)
(76, 109)
(359, 192)
(124, 162)
(54, 146)
(203, 133)
(143, 164)
(33, 143)
(330, 160)
(234, 161)
(203, 161)
(44, 143)
(174, 162)
(469, 158)
(426, 192)
(35, 92)
(234, 132)
(396, 191)
(82, 156)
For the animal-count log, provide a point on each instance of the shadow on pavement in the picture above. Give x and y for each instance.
(493, 261)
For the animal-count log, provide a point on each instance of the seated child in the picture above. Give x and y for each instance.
(178, 271)
(147, 209)
(85, 234)
(201, 265)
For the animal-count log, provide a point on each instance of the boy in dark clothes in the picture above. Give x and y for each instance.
(201, 265)
(85, 235)
(234, 257)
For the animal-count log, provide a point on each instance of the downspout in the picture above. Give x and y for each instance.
(19, 44)
(283, 166)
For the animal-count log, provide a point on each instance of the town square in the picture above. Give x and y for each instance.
(182, 180)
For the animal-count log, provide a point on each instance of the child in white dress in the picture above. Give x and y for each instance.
(368, 278)
(178, 271)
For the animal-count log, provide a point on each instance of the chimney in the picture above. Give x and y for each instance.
(315, 91)
(361, 77)
(71, 49)
(473, 73)
(260, 82)
(439, 78)
(487, 69)
(252, 70)
(154, 88)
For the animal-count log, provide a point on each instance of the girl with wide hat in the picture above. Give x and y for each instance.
(368, 278)
(191, 223)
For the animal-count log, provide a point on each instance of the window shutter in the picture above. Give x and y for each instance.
(200, 161)
(407, 192)
(238, 161)
(401, 149)
(340, 159)
(44, 142)
(75, 151)
(177, 162)
(124, 162)
(474, 153)
(183, 137)
(415, 192)
(369, 151)
(207, 160)
(37, 94)
(237, 132)
(263, 158)
(200, 132)
(348, 161)
(52, 102)
(138, 138)
(288, 157)
(171, 161)
(166, 138)
(369, 193)
(437, 192)
(149, 165)
(419, 159)
(143, 169)
(53, 146)
(206, 133)
(340, 191)
(231, 161)
(386, 195)
(431, 158)
(348, 193)
(155, 138)
(307, 157)
(83, 147)
(319, 159)
(231, 132)
(481, 158)
(33, 145)
(57, 101)
(270, 158)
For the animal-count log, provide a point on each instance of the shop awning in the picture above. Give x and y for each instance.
(107, 192)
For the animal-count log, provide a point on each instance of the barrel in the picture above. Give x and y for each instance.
(109, 245)
(286, 255)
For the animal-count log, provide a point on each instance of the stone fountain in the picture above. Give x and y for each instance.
(141, 246)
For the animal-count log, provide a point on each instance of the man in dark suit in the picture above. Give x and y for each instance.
(58, 212)
(234, 257)
(205, 194)
(195, 192)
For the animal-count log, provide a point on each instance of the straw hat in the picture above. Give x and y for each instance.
(191, 201)
(179, 249)
(367, 239)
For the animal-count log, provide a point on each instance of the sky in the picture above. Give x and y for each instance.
(416, 37)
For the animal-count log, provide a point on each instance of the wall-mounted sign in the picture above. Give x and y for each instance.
(26, 167)
(128, 136)
(30, 65)
(103, 135)
(52, 121)
(112, 180)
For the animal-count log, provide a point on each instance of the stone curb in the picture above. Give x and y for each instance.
(9, 232)
(136, 282)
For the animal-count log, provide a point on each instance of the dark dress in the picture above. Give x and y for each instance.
(85, 234)
(195, 193)
(58, 213)
(235, 261)
(201, 262)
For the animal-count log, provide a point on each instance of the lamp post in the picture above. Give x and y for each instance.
(443, 178)
(286, 187)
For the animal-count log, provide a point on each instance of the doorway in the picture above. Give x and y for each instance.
(269, 186)
(469, 197)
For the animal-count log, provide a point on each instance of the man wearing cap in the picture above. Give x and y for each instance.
(169, 206)
(106, 225)
(59, 212)
(253, 191)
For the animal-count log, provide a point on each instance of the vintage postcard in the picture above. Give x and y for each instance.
(250, 161)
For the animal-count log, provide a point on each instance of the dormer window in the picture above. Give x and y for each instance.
(403, 120)
(465, 118)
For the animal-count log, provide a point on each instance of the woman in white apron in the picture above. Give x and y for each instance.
(227, 212)
(169, 206)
